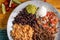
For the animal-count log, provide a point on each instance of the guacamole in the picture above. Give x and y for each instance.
(31, 8)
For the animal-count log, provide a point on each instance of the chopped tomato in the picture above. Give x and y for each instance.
(45, 25)
(14, 5)
(51, 22)
(54, 21)
(6, 3)
(7, 9)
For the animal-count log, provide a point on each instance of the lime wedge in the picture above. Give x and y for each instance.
(17, 1)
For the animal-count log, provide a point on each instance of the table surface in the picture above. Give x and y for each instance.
(55, 3)
(3, 35)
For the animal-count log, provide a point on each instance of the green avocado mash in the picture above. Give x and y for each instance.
(31, 8)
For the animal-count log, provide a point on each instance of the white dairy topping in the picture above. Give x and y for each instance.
(42, 11)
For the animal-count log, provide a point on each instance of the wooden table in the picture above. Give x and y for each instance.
(55, 3)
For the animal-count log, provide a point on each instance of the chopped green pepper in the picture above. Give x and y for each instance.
(3, 9)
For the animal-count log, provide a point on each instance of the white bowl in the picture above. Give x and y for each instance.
(20, 7)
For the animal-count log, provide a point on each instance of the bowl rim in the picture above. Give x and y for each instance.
(24, 3)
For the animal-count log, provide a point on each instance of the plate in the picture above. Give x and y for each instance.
(23, 5)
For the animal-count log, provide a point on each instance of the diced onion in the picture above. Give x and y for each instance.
(10, 3)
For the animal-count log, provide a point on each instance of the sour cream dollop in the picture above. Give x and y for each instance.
(42, 11)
